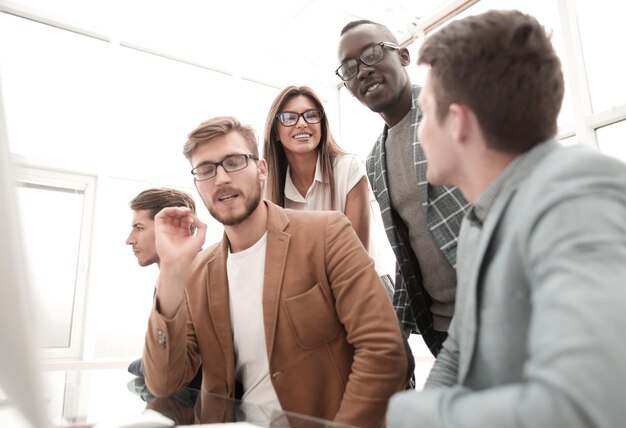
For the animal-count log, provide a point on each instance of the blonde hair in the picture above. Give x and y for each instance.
(217, 127)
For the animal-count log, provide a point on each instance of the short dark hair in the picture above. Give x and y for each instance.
(350, 25)
(502, 65)
(353, 24)
(217, 127)
(154, 200)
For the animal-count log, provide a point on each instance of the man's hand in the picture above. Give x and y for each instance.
(177, 247)
(175, 243)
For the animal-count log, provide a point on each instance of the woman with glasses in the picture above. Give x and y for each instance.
(307, 169)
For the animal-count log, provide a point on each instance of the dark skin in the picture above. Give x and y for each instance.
(384, 88)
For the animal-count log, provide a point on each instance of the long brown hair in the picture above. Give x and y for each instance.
(274, 152)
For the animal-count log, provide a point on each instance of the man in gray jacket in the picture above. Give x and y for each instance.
(537, 337)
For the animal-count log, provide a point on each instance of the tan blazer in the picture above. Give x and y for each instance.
(334, 345)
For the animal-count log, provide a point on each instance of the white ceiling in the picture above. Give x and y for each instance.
(277, 42)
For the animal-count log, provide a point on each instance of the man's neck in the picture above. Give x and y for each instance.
(486, 168)
(245, 234)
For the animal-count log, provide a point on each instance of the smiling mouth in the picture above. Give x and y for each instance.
(367, 89)
(302, 136)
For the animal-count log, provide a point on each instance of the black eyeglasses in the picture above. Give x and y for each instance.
(290, 118)
(370, 56)
(230, 163)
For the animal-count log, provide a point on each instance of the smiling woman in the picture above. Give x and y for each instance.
(307, 168)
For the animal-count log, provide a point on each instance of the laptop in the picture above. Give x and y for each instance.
(20, 376)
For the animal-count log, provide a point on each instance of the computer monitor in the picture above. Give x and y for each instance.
(20, 377)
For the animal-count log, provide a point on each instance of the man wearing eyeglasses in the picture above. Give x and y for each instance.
(286, 312)
(422, 221)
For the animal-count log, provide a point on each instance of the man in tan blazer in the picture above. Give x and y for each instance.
(287, 311)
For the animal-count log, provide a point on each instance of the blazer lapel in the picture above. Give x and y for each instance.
(382, 192)
(470, 296)
(275, 261)
(380, 173)
(219, 306)
(419, 158)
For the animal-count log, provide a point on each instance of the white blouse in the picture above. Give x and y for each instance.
(348, 170)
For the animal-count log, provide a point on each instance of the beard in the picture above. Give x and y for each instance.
(251, 204)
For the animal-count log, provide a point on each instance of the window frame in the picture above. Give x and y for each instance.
(54, 179)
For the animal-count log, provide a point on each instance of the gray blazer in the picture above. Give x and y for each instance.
(538, 334)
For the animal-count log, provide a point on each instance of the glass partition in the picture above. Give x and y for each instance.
(611, 139)
(601, 22)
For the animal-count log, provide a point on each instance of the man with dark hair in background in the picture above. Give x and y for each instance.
(145, 206)
(537, 337)
(422, 220)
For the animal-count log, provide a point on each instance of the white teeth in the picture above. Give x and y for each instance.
(223, 198)
(302, 136)
(372, 88)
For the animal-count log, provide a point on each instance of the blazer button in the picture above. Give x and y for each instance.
(161, 339)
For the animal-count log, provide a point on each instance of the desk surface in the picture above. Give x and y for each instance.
(82, 398)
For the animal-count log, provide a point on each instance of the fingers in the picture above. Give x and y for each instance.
(170, 213)
(175, 216)
(201, 229)
(175, 219)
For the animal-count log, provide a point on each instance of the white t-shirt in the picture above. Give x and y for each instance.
(245, 285)
(348, 170)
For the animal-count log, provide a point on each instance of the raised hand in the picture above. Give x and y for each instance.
(174, 241)
(177, 246)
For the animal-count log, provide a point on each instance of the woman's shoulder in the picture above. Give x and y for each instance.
(350, 164)
(347, 159)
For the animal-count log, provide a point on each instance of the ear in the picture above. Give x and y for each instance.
(262, 167)
(460, 121)
(405, 57)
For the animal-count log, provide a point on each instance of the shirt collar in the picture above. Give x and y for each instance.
(318, 170)
(479, 210)
(290, 189)
(516, 170)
